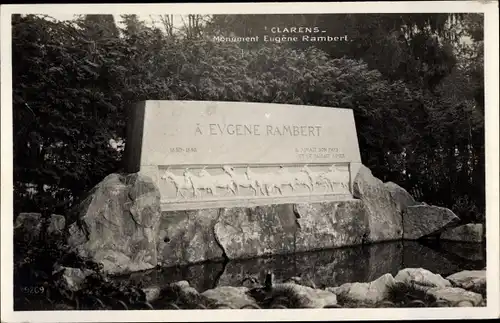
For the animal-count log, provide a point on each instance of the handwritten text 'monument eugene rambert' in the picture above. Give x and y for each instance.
(216, 129)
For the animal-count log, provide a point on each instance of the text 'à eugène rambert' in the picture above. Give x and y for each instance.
(216, 129)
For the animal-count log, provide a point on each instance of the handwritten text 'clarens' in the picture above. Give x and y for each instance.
(215, 129)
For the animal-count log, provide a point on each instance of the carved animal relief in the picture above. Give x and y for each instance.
(256, 181)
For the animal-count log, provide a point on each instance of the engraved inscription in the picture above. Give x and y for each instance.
(183, 150)
(318, 153)
(197, 133)
(304, 154)
(216, 129)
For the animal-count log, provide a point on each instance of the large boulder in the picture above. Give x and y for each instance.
(330, 225)
(256, 231)
(233, 297)
(421, 279)
(187, 237)
(117, 224)
(371, 293)
(292, 295)
(456, 296)
(472, 280)
(289, 228)
(384, 218)
(185, 291)
(472, 232)
(179, 294)
(152, 293)
(425, 220)
(402, 198)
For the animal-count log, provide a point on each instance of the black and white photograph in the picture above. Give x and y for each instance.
(234, 161)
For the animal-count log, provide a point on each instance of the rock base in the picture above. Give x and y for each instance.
(121, 224)
(422, 221)
(188, 237)
(117, 224)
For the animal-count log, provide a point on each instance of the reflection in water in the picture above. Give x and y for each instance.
(200, 276)
(328, 267)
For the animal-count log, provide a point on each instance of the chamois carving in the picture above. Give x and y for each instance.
(201, 182)
(316, 179)
(224, 181)
(266, 184)
(334, 176)
(262, 181)
(180, 182)
(240, 179)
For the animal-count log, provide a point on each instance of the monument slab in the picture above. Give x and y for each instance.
(205, 154)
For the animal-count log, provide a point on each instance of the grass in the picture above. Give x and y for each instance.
(408, 295)
(38, 287)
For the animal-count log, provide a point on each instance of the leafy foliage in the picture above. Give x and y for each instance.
(38, 285)
(65, 111)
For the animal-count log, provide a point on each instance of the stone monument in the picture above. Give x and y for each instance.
(206, 154)
(211, 180)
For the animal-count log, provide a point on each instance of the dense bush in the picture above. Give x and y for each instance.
(72, 81)
(65, 111)
(39, 284)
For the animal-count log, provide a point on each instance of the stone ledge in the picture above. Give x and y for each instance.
(246, 202)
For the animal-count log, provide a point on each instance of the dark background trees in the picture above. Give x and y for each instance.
(414, 81)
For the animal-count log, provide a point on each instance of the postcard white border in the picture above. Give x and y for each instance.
(489, 8)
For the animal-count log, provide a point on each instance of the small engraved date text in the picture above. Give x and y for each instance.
(183, 150)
